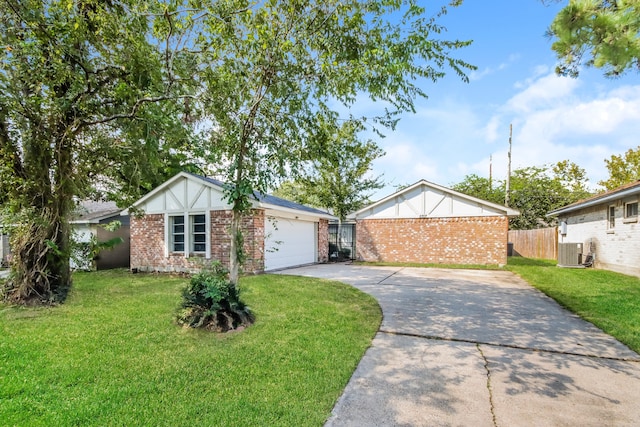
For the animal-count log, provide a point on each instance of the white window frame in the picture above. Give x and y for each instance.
(611, 219)
(627, 217)
(172, 233)
(189, 230)
(193, 233)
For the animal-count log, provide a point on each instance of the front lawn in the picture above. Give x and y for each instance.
(112, 355)
(609, 300)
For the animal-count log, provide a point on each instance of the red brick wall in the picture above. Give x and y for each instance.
(148, 245)
(464, 240)
(323, 240)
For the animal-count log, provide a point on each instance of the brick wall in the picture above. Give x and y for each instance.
(463, 240)
(148, 245)
(323, 240)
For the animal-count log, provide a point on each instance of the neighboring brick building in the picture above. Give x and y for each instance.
(427, 223)
(186, 224)
(607, 227)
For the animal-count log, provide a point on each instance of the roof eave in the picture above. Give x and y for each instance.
(599, 201)
(322, 215)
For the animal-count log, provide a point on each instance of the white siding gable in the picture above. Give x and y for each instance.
(424, 201)
(185, 195)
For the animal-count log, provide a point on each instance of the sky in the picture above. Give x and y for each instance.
(461, 126)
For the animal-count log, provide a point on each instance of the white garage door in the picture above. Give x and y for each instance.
(289, 242)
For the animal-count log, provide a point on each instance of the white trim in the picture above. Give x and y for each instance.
(393, 197)
(207, 220)
(611, 228)
(604, 200)
(167, 234)
(206, 183)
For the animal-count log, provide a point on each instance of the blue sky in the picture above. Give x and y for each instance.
(460, 126)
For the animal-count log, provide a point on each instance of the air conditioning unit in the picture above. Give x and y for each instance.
(569, 254)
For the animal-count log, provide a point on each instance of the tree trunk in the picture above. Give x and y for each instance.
(235, 257)
(41, 239)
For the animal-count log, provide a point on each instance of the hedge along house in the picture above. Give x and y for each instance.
(427, 223)
(185, 225)
(606, 226)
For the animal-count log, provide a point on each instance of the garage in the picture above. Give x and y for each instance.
(430, 224)
(289, 242)
(186, 225)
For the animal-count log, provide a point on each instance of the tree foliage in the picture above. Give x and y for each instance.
(481, 188)
(535, 191)
(600, 33)
(275, 72)
(79, 82)
(623, 169)
(338, 176)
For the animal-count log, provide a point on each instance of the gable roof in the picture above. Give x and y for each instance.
(261, 200)
(510, 212)
(630, 189)
(92, 212)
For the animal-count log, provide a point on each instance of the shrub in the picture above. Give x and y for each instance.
(212, 302)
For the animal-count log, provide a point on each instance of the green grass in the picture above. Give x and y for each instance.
(607, 299)
(112, 355)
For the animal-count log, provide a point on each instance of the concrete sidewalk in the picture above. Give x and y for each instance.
(481, 348)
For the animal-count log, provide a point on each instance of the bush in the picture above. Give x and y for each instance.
(212, 302)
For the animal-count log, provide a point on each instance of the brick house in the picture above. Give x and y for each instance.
(607, 227)
(185, 224)
(428, 223)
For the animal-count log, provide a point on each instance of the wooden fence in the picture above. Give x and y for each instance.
(541, 243)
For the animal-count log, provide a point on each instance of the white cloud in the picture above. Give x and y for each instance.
(554, 119)
(543, 92)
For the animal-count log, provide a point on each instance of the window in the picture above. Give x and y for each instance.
(631, 210)
(611, 217)
(177, 234)
(188, 237)
(198, 233)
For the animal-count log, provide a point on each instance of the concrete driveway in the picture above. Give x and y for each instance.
(480, 348)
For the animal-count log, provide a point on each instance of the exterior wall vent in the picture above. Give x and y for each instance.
(569, 254)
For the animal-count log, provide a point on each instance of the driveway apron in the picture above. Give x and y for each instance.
(480, 348)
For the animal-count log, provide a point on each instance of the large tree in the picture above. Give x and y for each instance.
(534, 191)
(600, 33)
(623, 169)
(275, 72)
(73, 76)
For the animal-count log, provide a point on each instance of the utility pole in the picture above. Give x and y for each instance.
(507, 193)
(490, 172)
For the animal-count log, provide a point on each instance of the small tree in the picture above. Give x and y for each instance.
(274, 69)
(339, 173)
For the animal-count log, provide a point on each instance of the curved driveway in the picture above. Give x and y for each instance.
(480, 348)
